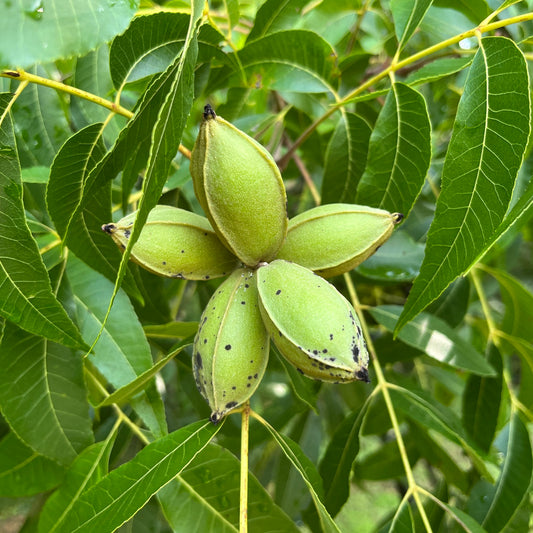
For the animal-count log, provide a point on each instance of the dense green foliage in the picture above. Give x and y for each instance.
(413, 106)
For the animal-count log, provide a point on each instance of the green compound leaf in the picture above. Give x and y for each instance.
(43, 395)
(485, 152)
(345, 159)
(407, 15)
(120, 494)
(513, 484)
(26, 296)
(40, 32)
(399, 153)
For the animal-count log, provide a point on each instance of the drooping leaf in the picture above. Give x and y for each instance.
(276, 15)
(399, 152)
(336, 465)
(151, 43)
(88, 468)
(434, 337)
(81, 230)
(485, 152)
(57, 29)
(120, 494)
(309, 474)
(481, 402)
(24, 472)
(514, 480)
(407, 16)
(26, 296)
(463, 519)
(43, 396)
(122, 352)
(345, 159)
(206, 497)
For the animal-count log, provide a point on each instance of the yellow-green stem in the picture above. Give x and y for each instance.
(382, 383)
(245, 431)
(397, 66)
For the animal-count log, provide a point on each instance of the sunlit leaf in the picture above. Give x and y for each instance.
(38, 32)
(485, 152)
(435, 338)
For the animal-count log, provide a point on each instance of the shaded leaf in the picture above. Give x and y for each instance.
(206, 497)
(514, 480)
(432, 415)
(485, 152)
(304, 388)
(41, 124)
(26, 296)
(336, 465)
(462, 519)
(23, 472)
(398, 260)
(81, 230)
(452, 305)
(39, 33)
(276, 15)
(407, 16)
(88, 468)
(403, 519)
(122, 353)
(308, 472)
(435, 338)
(481, 402)
(345, 159)
(399, 152)
(120, 494)
(43, 396)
